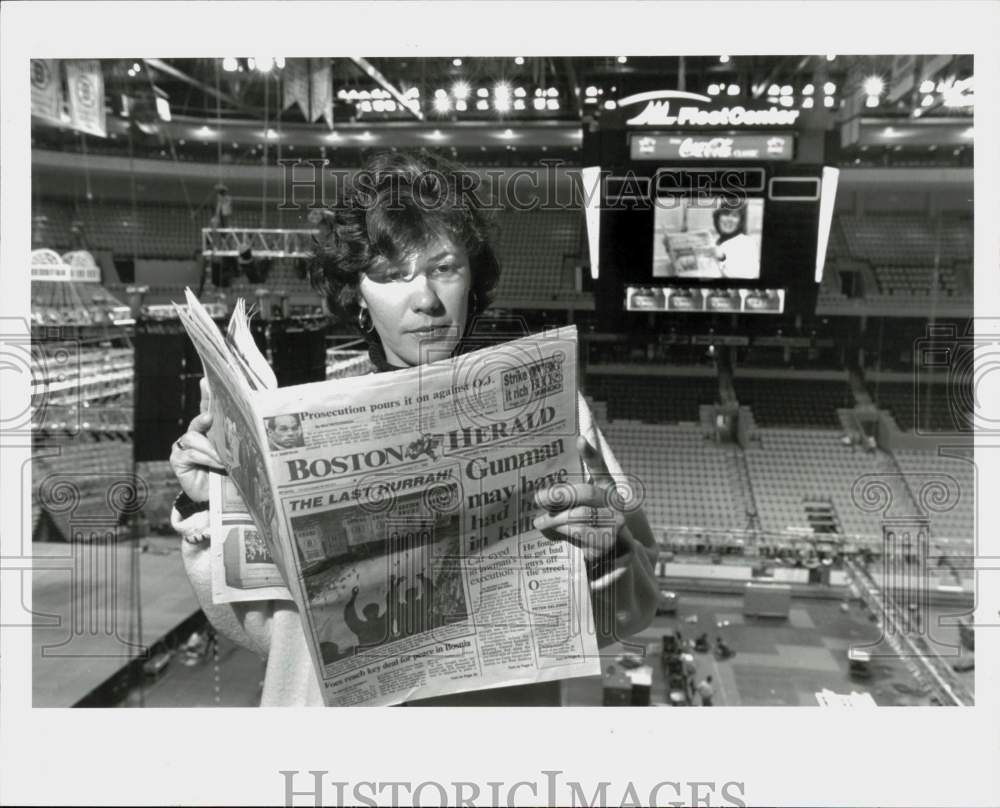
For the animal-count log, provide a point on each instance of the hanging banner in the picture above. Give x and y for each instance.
(296, 88)
(85, 86)
(46, 90)
(904, 74)
(321, 91)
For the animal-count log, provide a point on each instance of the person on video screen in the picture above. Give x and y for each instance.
(738, 252)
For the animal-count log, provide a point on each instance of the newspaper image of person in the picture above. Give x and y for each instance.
(284, 432)
(409, 259)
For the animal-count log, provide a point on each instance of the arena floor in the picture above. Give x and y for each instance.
(777, 663)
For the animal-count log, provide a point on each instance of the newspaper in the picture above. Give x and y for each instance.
(692, 252)
(243, 568)
(398, 510)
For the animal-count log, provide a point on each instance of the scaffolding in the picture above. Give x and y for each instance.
(261, 242)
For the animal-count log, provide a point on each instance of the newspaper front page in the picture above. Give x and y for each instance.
(399, 508)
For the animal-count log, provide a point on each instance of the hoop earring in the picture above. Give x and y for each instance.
(365, 323)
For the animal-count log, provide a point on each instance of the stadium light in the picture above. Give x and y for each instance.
(553, 92)
(519, 92)
(442, 104)
(482, 92)
(507, 134)
(136, 67)
(828, 102)
(270, 134)
(461, 106)
(713, 89)
(519, 104)
(610, 104)
(366, 135)
(734, 89)
(436, 135)
(553, 104)
(460, 89)
(927, 86)
(807, 103)
(519, 60)
(591, 91)
(829, 88)
(871, 101)
(774, 89)
(724, 59)
(786, 89)
(279, 62)
(873, 85)
(622, 60)
(378, 105)
(501, 104)
(501, 90)
(786, 101)
(366, 106)
(831, 56)
(482, 105)
(808, 90)
(264, 63)
(456, 62)
(538, 103)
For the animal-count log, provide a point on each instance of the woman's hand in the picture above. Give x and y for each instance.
(193, 454)
(582, 513)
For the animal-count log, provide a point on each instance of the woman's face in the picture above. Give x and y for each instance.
(729, 222)
(420, 303)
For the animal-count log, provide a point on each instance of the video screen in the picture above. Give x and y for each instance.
(711, 238)
(704, 299)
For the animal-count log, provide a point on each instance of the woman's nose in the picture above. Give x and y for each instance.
(424, 297)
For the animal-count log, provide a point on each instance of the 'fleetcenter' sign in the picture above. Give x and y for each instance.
(693, 109)
(768, 146)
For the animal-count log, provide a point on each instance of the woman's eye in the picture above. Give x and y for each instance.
(446, 269)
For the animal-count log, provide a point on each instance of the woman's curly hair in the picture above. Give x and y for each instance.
(397, 204)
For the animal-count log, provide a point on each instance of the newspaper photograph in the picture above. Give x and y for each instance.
(399, 509)
(243, 568)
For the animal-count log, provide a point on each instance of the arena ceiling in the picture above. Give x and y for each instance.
(237, 87)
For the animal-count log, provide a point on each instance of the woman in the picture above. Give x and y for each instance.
(408, 258)
(737, 252)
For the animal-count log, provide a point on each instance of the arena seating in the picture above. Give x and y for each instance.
(688, 479)
(151, 231)
(916, 280)
(902, 250)
(920, 468)
(532, 249)
(928, 407)
(651, 399)
(786, 402)
(789, 467)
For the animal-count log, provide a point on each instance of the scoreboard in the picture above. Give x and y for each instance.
(688, 214)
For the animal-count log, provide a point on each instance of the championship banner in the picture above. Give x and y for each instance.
(86, 96)
(46, 91)
(321, 91)
(296, 88)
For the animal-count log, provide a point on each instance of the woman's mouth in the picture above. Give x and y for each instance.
(431, 330)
